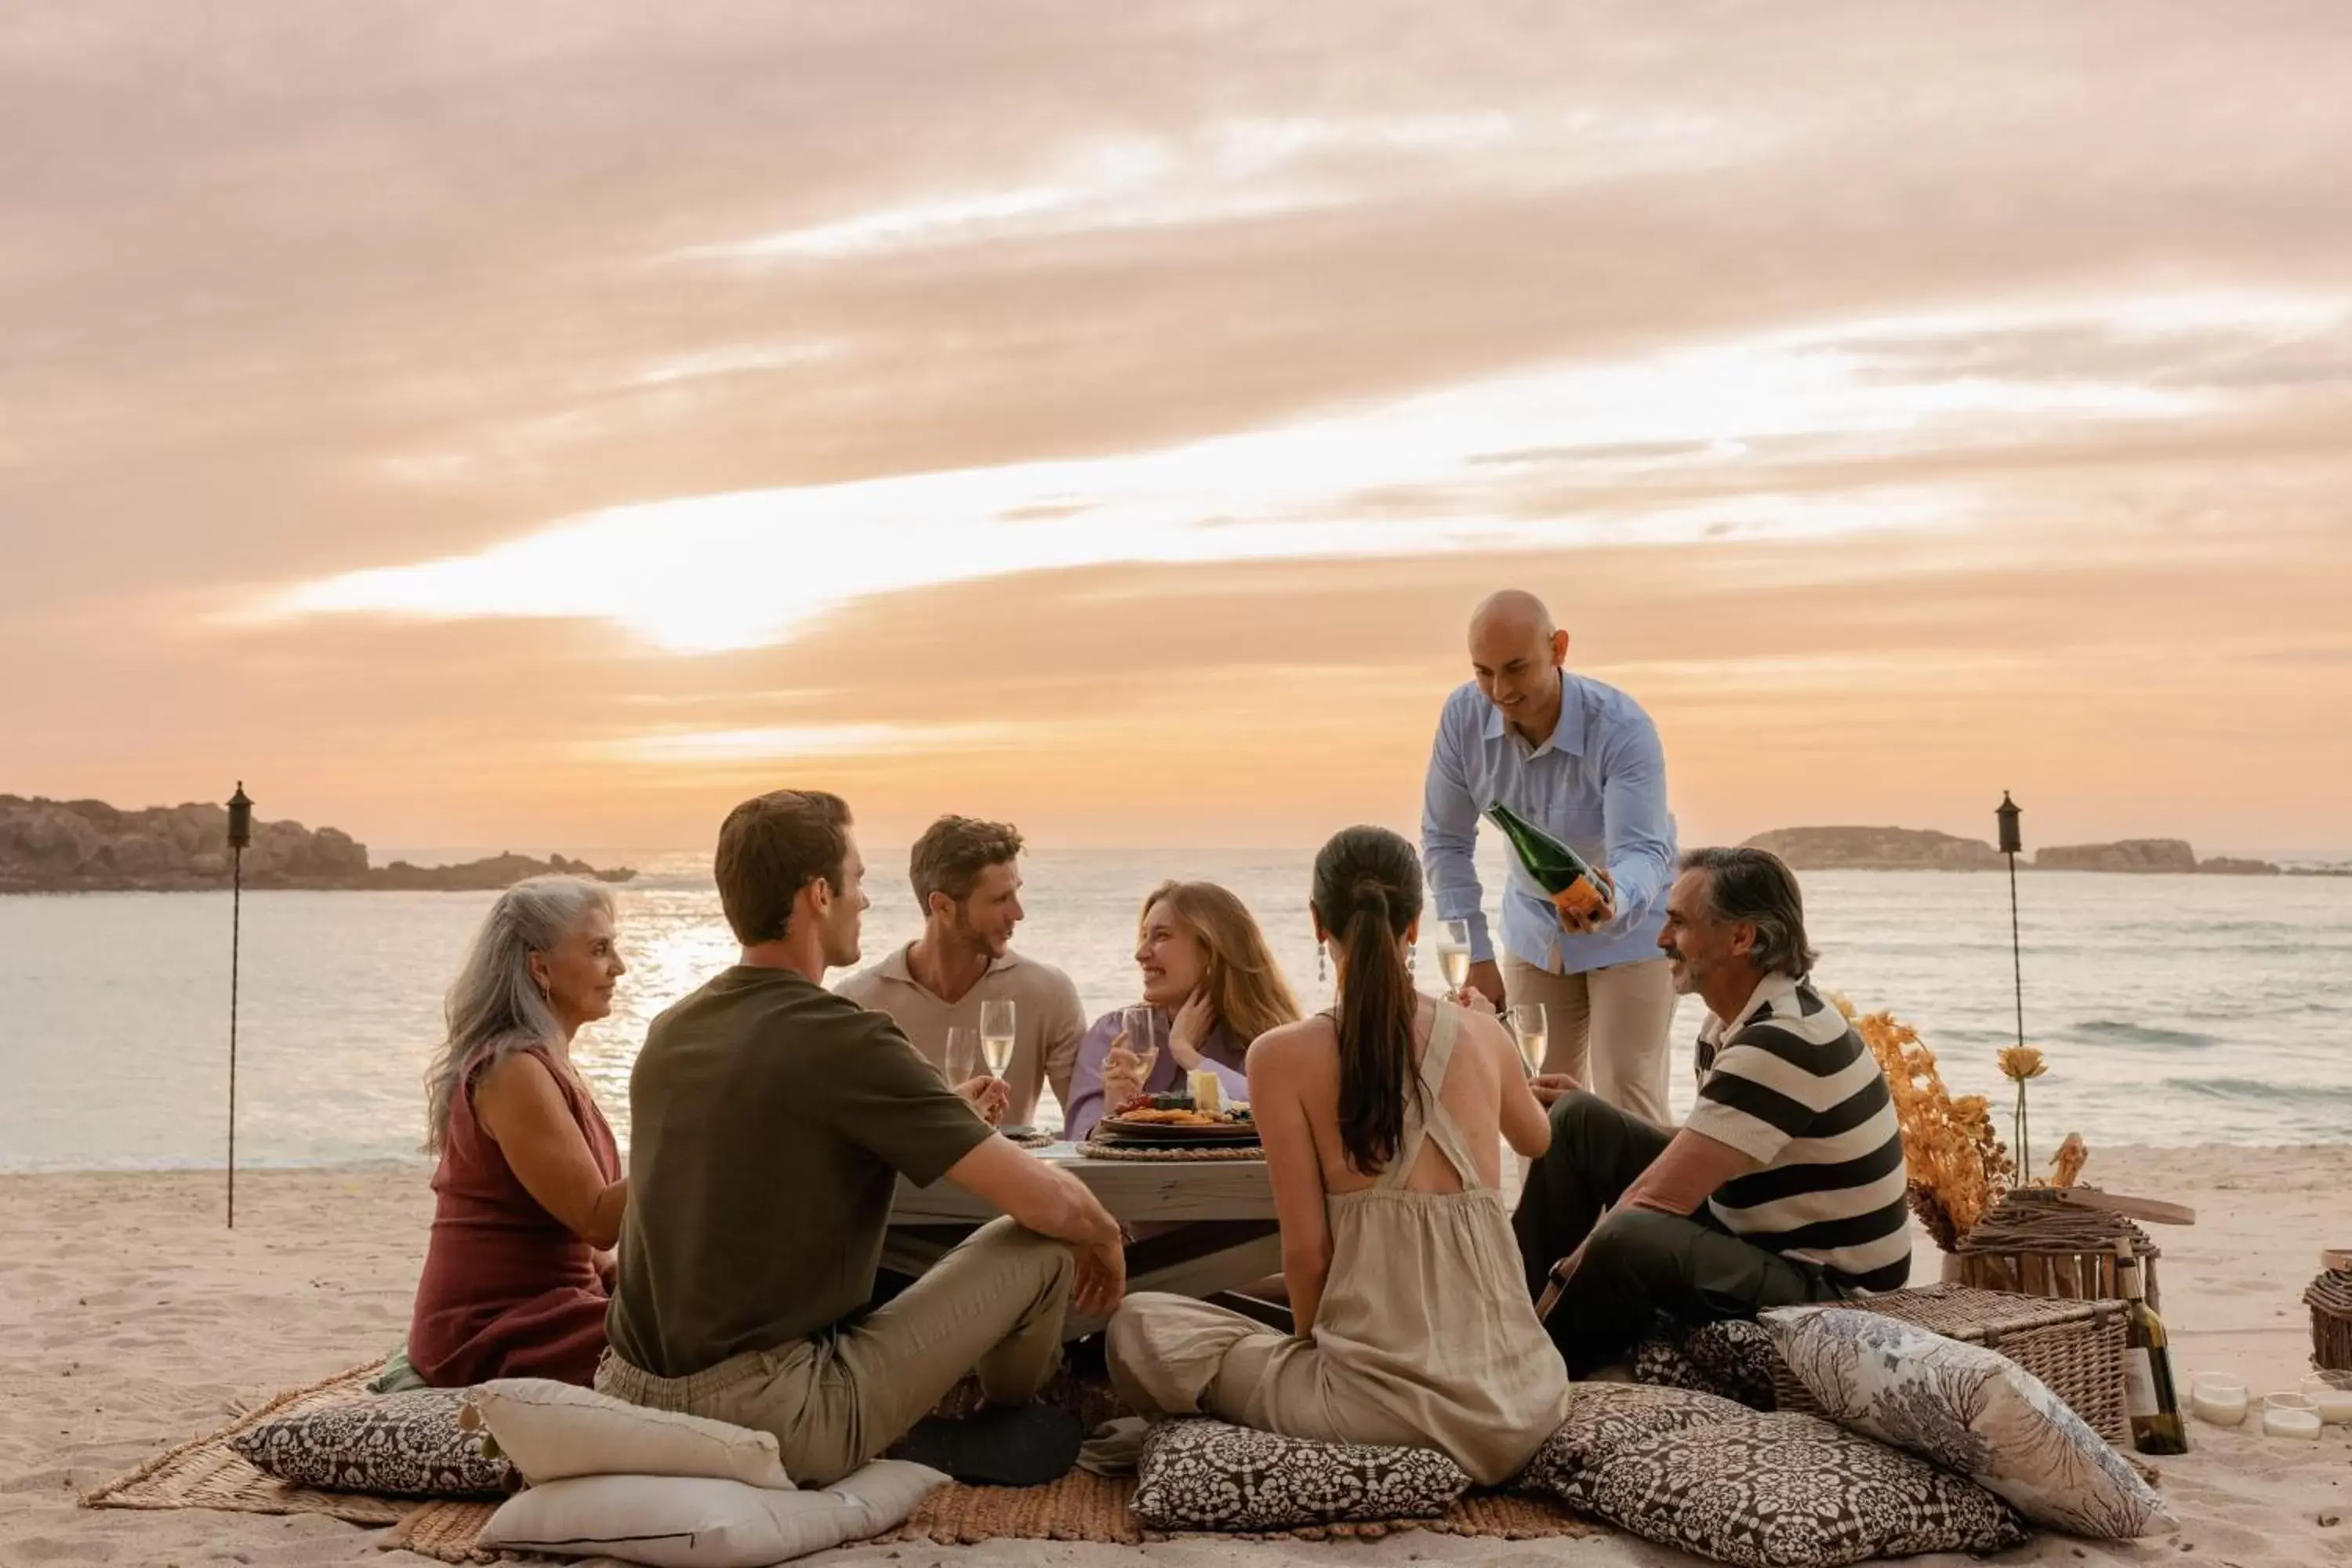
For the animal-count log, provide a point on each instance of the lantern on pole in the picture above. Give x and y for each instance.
(2011, 842)
(240, 834)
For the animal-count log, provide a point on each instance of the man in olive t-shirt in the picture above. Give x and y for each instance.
(771, 1122)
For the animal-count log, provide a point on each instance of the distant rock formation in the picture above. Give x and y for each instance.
(2124, 855)
(1921, 849)
(1877, 849)
(87, 845)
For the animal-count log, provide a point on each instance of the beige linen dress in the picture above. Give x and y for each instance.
(1425, 1336)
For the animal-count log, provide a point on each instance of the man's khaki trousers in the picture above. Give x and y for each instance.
(993, 1305)
(1608, 1028)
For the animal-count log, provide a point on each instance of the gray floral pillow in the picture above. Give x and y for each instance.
(1969, 1409)
(400, 1445)
(1787, 1491)
(1197, 1474)
(1602, 1414)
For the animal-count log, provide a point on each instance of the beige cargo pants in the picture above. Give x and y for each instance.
(993, 1305)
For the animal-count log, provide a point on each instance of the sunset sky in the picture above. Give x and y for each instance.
(545, 424)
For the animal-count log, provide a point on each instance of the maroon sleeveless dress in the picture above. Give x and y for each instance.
(507, 1291)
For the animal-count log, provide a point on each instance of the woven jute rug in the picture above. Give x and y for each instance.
(204, 1472)
(1078, 1507)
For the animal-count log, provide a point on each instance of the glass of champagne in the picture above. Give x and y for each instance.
(1530, 1029)
(1454, 954)
(996, 1035)
(962, 1062)
(1142, 1038)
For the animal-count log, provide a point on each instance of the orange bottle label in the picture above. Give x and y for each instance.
(1584, 900)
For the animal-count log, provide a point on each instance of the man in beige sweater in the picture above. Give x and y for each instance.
(967, 878)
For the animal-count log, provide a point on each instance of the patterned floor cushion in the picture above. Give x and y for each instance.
(1602, 1414)
(400, 1445)
(1969, 1409)
(1786, 1491)
(1199, 1474)
(1732, 1357)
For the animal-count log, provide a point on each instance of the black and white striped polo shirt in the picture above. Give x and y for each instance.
(1789, 1084)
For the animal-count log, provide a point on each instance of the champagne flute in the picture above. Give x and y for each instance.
(1530, 1029)
(1142, 1038)
(996, 1035)
(962, 1054)
(1454, 954)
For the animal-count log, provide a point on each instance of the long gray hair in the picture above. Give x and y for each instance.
(494, 1001)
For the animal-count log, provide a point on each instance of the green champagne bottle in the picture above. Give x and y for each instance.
(2148, 1394)
(1563, 874)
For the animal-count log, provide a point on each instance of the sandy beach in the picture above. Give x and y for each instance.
(130, 1319)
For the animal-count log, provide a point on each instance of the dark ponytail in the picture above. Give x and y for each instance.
(1368, 894)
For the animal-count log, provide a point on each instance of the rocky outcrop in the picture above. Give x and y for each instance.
(1877, 849)
(88, 845)
(2124, 855)
(2232, 866)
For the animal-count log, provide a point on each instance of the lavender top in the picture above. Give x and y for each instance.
(1221, 1053)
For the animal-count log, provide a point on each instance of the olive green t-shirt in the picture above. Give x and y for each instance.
(770, 1123)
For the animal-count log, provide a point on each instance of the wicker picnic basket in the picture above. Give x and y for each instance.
(2037, 1244)
(2076, 1347)
(2329, 1297)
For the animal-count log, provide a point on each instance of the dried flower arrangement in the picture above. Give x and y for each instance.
(1957, 1165)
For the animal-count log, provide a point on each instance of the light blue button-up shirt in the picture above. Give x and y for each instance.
(1599, 783)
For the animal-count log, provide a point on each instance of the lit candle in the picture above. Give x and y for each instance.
(2330, 1393)
(2289, 1416)
(2218, 1400)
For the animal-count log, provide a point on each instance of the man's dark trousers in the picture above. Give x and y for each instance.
(1640, 1262)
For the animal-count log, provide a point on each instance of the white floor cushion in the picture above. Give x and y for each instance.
(683, 1521)
(554, 1431)
(1969, 1409)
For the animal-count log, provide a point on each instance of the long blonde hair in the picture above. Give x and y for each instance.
(494, 1001)
(1245, 983)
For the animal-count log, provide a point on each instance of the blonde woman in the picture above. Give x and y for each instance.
(529, 1195)
(1212, 986)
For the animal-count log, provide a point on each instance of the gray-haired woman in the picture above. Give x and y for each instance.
(529, 1193)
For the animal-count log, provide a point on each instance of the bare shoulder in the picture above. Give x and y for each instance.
(1485, 1032)
(515, 1073)
(1288, 1047)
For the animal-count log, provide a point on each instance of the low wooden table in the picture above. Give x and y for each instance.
(1202, 1228)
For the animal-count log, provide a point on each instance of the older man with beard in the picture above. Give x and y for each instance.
(1785, 1186)
(967, 879)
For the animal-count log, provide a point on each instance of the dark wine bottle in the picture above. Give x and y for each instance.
(1564, 875)
(2154, 1404)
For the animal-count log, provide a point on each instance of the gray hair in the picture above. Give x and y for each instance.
(494, 1002)
(1755, 887)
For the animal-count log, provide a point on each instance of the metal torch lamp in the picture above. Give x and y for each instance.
(240, 834)
(2011, 842)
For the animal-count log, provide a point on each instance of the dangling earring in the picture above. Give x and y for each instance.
(1413, 958)
(1322, 964)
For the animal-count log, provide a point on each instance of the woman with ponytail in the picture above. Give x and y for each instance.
(1384, 1122)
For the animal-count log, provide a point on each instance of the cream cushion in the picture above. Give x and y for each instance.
(677, 1521)
(1969, 1409)
(553, 1431)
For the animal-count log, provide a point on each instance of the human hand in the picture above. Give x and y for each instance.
(1102, 1277)
(1549, 1088)
(989, 1097)
(1476, 1000)
(1485, 978)
(1123, 1074)
(1193, 1021)
(1600, 915)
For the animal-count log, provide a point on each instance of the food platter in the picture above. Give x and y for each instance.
(1172, 1120)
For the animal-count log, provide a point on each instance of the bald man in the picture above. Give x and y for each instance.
(1583, 761)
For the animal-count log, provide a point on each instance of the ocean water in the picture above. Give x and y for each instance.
(2173, 1010)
